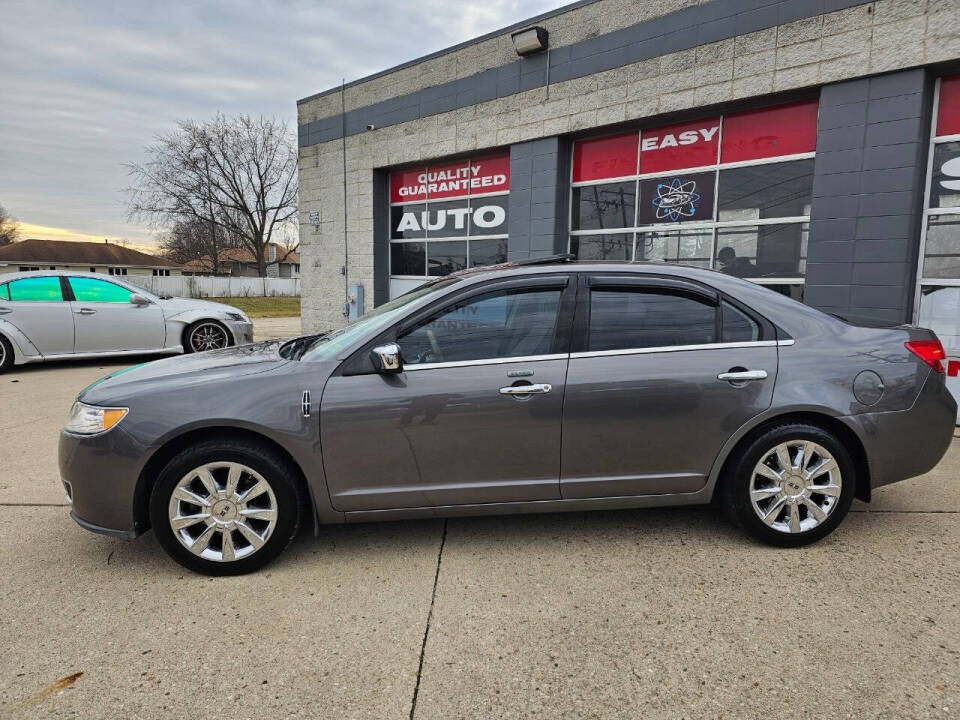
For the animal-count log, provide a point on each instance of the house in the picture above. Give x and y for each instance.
(240, 262)
(106, 257)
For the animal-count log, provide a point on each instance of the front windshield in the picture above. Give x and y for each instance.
(327, 346)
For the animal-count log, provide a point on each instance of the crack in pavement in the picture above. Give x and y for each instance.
(426, 630)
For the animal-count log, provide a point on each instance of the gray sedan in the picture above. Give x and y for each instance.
(521, 388)
(59, 315)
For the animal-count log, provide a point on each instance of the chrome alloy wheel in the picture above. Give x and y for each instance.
(222, 511)
(795, 486)
(208, 336)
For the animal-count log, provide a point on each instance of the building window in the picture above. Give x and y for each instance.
(447, 217)
(731, 193)
(29, 268)
(117, 271)
(93, 269)
(937, 303)
(161, 272)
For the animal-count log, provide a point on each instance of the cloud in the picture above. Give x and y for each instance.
(87, 85)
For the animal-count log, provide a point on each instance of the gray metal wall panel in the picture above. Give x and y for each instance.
(869, 177)
(539, 186)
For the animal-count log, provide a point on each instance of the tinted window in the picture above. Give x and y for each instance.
(754, 251)
(502, 324)
(676, 198)
(766, 191)
(738, 326)
(38, 289)
(408, 258)
(4, 292)
(444, 257)
(93, 290)
(622, 319)
(485, 218)
(603, 207)
(946, 168)
(487, 252)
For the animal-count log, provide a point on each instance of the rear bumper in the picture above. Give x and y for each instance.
(101, 472)
(907, 443)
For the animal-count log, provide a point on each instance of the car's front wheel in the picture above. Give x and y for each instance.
(205, 335)
(790, 486)
(224, 507)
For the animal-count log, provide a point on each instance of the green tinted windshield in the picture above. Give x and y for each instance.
(329, 345)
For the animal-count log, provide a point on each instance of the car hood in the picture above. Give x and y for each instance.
(185, 370)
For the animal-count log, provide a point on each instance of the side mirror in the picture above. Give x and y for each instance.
(386, 359)
(137, 299)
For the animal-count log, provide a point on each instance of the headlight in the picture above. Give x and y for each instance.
(237, 317)
(90, 420)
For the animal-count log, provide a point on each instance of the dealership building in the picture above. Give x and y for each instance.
(809, 145)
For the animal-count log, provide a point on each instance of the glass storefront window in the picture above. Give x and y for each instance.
(690, 247)
(445, 257)
(604, 207)
(945, 176)
(615, 246)
(705, 193)
(941, 257)
(408, 258)
(488, 252)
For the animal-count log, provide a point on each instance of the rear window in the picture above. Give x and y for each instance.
(622, 319)
(36, 289)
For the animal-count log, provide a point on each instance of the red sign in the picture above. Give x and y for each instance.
(440, 182)
(677, 147)
(948, 114)
(606, 157)
(770, 132)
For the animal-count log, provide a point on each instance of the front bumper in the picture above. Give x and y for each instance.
(242, 332)
(100, 473)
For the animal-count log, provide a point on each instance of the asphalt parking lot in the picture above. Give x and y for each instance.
(654, 613)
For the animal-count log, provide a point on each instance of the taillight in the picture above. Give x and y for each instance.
(930, 351)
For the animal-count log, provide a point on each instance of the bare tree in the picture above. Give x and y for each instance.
(9, 231)
(238, 174)
(197, 240)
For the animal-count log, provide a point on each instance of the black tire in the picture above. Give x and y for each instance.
(6, 355)
(735, 487)
(188, 345)
(274, 468)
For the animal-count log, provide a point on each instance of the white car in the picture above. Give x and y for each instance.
(60, 315)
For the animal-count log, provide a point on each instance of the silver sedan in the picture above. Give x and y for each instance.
(59, 315)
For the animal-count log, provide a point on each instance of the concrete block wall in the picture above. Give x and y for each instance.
(872, 143)
(798, 45)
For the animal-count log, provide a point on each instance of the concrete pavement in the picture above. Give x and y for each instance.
(659, 613)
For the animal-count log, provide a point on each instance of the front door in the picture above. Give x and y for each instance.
(662, 374)
(35, 306)
(106, 320)
(475, 416)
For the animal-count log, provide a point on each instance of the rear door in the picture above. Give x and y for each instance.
(474, 417)
(663, 371)
(106, 320)
(35, 305)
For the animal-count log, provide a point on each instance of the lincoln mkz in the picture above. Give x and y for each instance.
(535, 387)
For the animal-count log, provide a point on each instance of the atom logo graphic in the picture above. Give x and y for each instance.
(676, 200)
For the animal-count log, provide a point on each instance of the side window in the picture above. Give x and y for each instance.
(627, 318)
(737, 325)
(93, 290)
(500, 324)
(4, 292)
(36, 289)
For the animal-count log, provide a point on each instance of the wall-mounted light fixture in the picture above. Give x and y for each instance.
(530, 40)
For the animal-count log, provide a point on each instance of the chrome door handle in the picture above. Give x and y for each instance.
(743, 376)
(86, 311)
(538, 389)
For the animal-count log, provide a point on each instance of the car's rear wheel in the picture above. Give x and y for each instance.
(790, 486)
(6, 354)
(224, 507)
(205, 335)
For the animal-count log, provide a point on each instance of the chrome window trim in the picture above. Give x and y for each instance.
(680, 348)
(487, 361)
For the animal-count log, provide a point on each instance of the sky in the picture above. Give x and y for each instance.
(85, 86)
